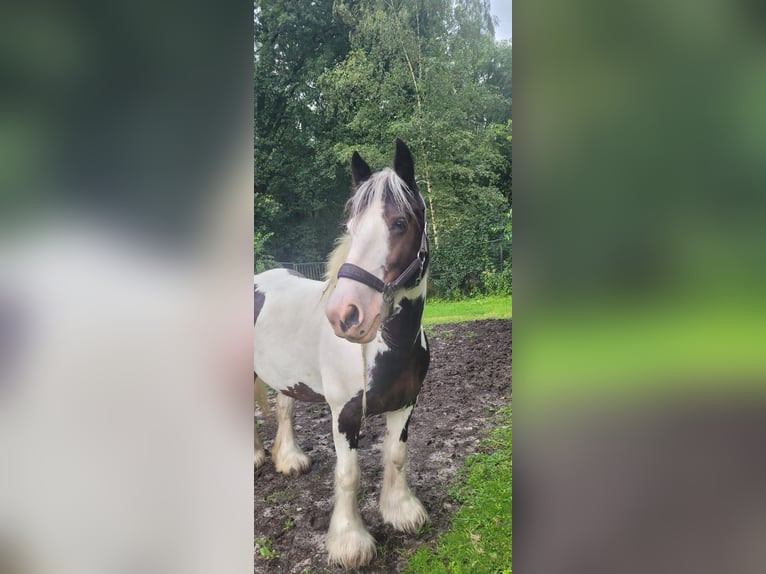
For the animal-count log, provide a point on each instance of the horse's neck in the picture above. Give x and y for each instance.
(401, 330)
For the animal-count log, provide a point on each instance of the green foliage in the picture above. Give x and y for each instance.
(266, 549)
(480, 540)
(263, 260)
(497, 282)
(293, 162)
(474, 256)
(265, 209)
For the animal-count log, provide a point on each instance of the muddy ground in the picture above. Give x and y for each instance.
(470, 375)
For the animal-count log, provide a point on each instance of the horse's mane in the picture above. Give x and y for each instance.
(337, 257)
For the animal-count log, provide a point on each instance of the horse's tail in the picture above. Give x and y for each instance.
(261, 396)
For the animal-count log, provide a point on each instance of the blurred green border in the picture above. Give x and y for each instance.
(615, 349)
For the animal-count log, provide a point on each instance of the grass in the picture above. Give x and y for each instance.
(480, 540)
(438, 312)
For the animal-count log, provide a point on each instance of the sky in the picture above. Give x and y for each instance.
(502, 9)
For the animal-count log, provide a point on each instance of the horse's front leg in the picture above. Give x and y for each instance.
(348, 542)
(288, 457)
(398, 505)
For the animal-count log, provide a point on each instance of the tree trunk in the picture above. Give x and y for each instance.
(416, 85)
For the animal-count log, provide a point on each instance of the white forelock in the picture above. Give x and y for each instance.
(382, 187)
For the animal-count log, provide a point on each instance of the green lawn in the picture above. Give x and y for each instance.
(438, 312)
(480, 540)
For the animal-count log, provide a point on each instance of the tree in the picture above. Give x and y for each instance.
(293, 160)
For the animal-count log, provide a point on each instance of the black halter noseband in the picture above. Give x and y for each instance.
(414, 270)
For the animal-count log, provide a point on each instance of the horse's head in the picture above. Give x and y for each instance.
(386, 249)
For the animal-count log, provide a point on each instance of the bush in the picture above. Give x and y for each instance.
(497, 282)
(470, 263)
(474, 254)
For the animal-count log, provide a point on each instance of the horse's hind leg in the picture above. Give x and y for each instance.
(398, 505)
(287, 455)
(260, 453)
(261, 400)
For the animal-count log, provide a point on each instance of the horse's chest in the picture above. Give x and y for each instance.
(395, 381)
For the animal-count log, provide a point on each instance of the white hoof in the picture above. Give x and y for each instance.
(292, 463)
(260, 458)
(350, 547)
(403, 511)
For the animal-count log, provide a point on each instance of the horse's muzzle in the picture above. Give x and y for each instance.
(350, 321)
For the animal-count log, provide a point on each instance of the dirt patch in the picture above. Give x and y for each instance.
(470, 374)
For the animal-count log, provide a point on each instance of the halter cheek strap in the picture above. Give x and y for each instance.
(414, 270)
(356, 273)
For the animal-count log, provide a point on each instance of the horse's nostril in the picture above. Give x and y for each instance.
(352, 317)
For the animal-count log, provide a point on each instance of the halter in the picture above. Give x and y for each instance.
(415, 270)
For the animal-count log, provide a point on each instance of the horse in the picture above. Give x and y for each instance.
(356, 342)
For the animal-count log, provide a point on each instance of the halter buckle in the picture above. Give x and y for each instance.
(388, 294)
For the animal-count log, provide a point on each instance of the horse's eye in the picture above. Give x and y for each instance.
(399, 225)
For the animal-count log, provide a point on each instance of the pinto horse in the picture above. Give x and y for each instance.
(356, 342)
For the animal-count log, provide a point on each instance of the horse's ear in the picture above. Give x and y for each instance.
(403, 164)
(360, 171)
